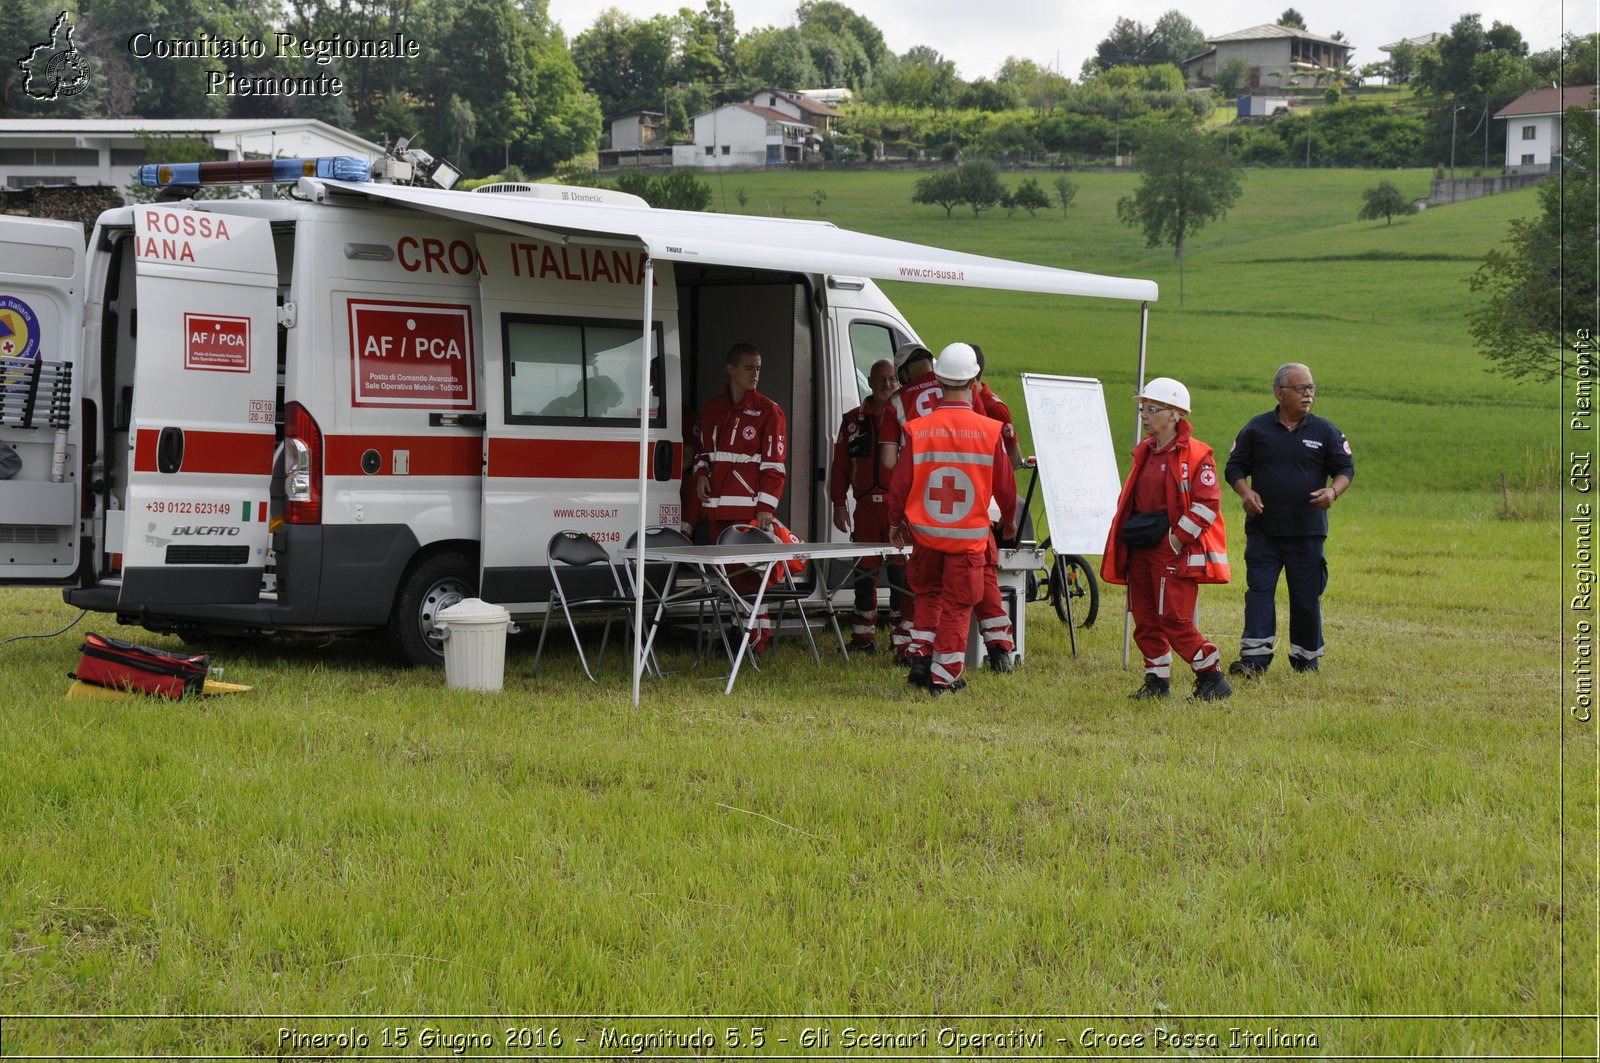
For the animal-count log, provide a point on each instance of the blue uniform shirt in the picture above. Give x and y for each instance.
(1284, 467)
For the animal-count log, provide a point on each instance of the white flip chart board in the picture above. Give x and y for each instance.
(1077, 465)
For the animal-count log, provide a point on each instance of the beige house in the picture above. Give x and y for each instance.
(638, 129)
(1276, 56)
(638, 138)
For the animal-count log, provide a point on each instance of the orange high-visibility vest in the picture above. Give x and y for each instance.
(1195, 512)
(952, 479)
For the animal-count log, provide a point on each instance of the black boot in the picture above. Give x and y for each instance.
(1154, 687)
(1212, 686)
(999, 660)
(921, 672)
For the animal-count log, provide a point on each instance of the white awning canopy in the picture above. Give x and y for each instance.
(783, 244)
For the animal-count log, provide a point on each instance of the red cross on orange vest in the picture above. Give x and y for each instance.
(947, 494)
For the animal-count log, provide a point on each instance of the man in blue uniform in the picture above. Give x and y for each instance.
(1288, 467)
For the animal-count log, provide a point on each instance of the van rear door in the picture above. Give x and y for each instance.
(41, 337)
(202, 433)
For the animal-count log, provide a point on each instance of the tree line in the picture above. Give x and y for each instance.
(498, 88)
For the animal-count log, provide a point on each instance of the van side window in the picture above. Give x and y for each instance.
(869, 342)
(567, 371)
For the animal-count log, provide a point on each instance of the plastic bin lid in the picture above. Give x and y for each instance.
(472, 611)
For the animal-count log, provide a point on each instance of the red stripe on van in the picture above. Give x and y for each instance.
(429, 455)
(248, 453)
(572, 459)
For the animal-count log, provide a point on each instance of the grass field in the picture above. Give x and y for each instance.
(1397, 856)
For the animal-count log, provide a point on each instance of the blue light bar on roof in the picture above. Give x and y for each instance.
(254, 171)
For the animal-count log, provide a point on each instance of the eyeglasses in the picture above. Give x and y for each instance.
(1149, 408)
(1301, 389)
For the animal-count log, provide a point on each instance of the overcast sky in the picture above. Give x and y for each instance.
(979, 36)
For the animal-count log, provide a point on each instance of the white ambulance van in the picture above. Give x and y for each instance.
(347, 407)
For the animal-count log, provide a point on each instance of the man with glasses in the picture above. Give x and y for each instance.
(1288, 466)
(858, 469)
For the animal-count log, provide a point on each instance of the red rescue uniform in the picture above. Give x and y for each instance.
(858, 469)
(743, 447)
(953, 464)
(994, 623)
(1163, 581)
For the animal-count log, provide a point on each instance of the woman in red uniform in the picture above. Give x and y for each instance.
(1166, 540)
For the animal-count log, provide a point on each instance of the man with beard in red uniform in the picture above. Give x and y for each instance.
(739, 475)
(954, 463)
(858, 469)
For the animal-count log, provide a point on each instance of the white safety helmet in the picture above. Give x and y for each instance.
(1168, 392)
(957, 365)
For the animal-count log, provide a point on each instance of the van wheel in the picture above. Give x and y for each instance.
(434, 584)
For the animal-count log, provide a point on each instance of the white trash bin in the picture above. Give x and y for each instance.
(474, 644)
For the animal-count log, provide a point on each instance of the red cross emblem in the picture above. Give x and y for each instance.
(948, 496)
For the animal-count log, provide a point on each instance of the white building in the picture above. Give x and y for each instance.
(1426, 40)
(828, 97)
(743, 135)
(1533, 125)
(109, 151)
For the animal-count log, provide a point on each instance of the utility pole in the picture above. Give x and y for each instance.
(1484, 121)
(1453, 114)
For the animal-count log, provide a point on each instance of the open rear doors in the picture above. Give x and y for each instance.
(202, 433)
(41, 320)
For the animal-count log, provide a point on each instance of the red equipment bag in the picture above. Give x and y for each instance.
(796, 566)
(125, 666)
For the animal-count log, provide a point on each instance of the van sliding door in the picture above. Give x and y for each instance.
(563, 353)
(201, 437)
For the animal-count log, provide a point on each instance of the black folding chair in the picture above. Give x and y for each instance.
(781, 593)
(592, 587)
(690, 585)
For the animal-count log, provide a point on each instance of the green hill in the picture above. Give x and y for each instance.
(1377, 311)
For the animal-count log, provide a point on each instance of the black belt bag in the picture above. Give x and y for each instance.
(1144, 530)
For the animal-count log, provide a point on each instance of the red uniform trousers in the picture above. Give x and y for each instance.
(1162, 603)
(948, 587)
(747, 581)
(872, 526)
(994, 623)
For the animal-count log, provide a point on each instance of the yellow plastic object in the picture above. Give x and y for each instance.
(80, 690)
